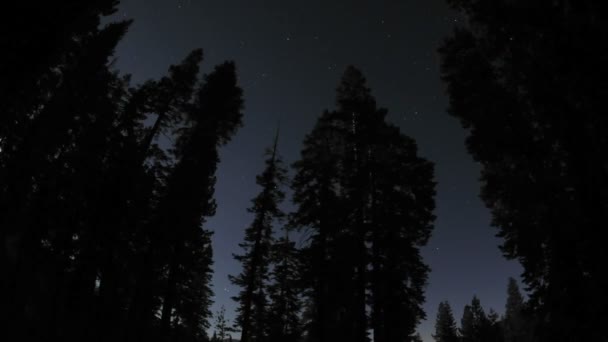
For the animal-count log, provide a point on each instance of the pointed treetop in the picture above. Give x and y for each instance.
(276, 140)
(353, 91)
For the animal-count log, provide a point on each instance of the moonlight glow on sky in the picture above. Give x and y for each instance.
(290, 55)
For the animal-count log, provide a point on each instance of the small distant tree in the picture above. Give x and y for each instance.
(221, 325)
(445, 325)
(467, 325)
(475, 325)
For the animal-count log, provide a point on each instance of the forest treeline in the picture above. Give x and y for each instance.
(106, 186)
(515, 325)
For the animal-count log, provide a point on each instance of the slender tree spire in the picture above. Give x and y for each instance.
(252, 314)
(275, 145)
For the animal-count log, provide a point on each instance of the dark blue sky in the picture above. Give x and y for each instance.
(290, 55)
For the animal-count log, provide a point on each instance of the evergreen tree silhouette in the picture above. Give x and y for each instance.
(516, 323)
(526, 80)
(477, 326)
(253, 310)
(315, 194)
(285, 323)
(180, 248)
(356, 175)
(36, 166)
(402, 208)
(222, 327)
(467, 325)
(445, 325)
(101, 227)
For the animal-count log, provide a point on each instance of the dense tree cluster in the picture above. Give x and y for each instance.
(366, 200)
(103, 227)
(269, 302)
(106, 186)
(528, 81)
(102, 230)
(477, 326)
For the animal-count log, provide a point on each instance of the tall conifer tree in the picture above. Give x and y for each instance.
(526, 78)
(180, 242)
(253, 311)
(367, 200)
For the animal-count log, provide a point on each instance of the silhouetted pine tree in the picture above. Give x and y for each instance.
(402, 207)
(467, 325)
(445, 325)
(526, 78)
(284, 292)
(253, 310)
(367, 200)
(516, 323)
(101, 228)
(494, 329)
(317, 196)
(180, 247)
(222, 327)
(138, 170)
(480, 320)
(476, 326)
(40, 180)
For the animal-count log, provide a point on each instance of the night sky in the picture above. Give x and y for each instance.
(290, 56)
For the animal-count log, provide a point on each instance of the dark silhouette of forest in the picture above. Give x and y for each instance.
(516, 325)
(103, 233)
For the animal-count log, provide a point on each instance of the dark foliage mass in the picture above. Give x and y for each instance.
(528, 81)
(106, 188)
(102, 230)
(366, 200)
(269, 302)
(477, 326)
